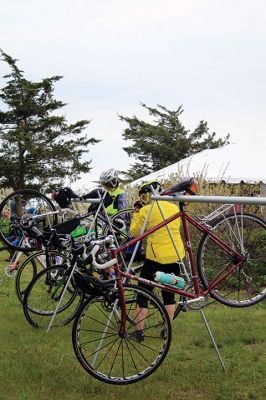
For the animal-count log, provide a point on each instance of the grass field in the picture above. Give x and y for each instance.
(35, 365)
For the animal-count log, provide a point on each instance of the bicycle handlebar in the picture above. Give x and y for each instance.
(108, 239)
(105, 265)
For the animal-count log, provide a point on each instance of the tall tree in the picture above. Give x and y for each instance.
(164, 142)
(38, 147)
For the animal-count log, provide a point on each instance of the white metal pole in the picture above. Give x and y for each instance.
(213, 199)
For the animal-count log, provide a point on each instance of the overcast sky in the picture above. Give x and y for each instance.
(207, 55)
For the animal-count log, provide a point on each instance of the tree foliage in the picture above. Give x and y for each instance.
(38, 147)
(165, 141)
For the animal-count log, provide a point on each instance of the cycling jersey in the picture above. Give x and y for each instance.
(159, 245)
(119, 197)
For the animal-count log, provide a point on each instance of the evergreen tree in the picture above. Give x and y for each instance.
(164, 142)
(38, 147)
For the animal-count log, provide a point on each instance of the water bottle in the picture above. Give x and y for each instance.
(169, 279)
(79, 231)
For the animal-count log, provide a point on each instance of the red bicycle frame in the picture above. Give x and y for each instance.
(237, 258)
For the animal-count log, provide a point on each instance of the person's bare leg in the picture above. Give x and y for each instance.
(170, 308)
(141, 314)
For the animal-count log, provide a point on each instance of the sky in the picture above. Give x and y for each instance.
(206, 55)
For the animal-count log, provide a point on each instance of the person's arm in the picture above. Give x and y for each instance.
(137, 222)
(122, 202)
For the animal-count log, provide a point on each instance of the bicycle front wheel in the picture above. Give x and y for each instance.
(117, 358)
(44, 294)
(246, 234)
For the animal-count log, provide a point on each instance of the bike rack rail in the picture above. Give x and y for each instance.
(213, 199)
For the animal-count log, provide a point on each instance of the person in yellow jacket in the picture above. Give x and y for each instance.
(160, 251)
(110, 181)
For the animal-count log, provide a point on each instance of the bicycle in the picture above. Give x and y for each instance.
(46, 292)
(118, 225)
(237, 278)
(17, 258)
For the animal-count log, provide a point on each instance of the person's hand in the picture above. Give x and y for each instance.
(137, 205)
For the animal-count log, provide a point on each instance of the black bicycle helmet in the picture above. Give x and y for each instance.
(146, 187)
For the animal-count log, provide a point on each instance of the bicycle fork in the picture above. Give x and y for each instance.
(122, 329)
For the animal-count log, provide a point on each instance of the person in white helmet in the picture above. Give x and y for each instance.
(110, 181)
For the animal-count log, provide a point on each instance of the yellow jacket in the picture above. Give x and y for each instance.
(159, 245)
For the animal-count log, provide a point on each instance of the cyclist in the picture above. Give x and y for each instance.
(110, 181)
(160, 251)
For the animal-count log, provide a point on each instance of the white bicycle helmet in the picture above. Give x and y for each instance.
(109, 177)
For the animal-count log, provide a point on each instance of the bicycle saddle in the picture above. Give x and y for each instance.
(67, 226)
(188, 186)
(98, 194)
(91, 285)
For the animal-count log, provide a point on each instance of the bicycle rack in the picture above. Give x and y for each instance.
(212, 338)
(177, 198)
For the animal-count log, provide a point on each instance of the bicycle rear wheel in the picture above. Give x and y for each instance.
(246, 234)
(44, 293)
(24, 204)
(32, 266)
(108, 355)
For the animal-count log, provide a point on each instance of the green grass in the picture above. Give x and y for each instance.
(39, 365)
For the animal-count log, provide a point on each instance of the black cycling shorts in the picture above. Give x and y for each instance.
(147, 272)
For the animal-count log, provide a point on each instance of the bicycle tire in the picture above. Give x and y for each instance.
(114, 358)
(120, 223)
(43, 295)
(32, 266)
(246, 233)
(21, 201)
